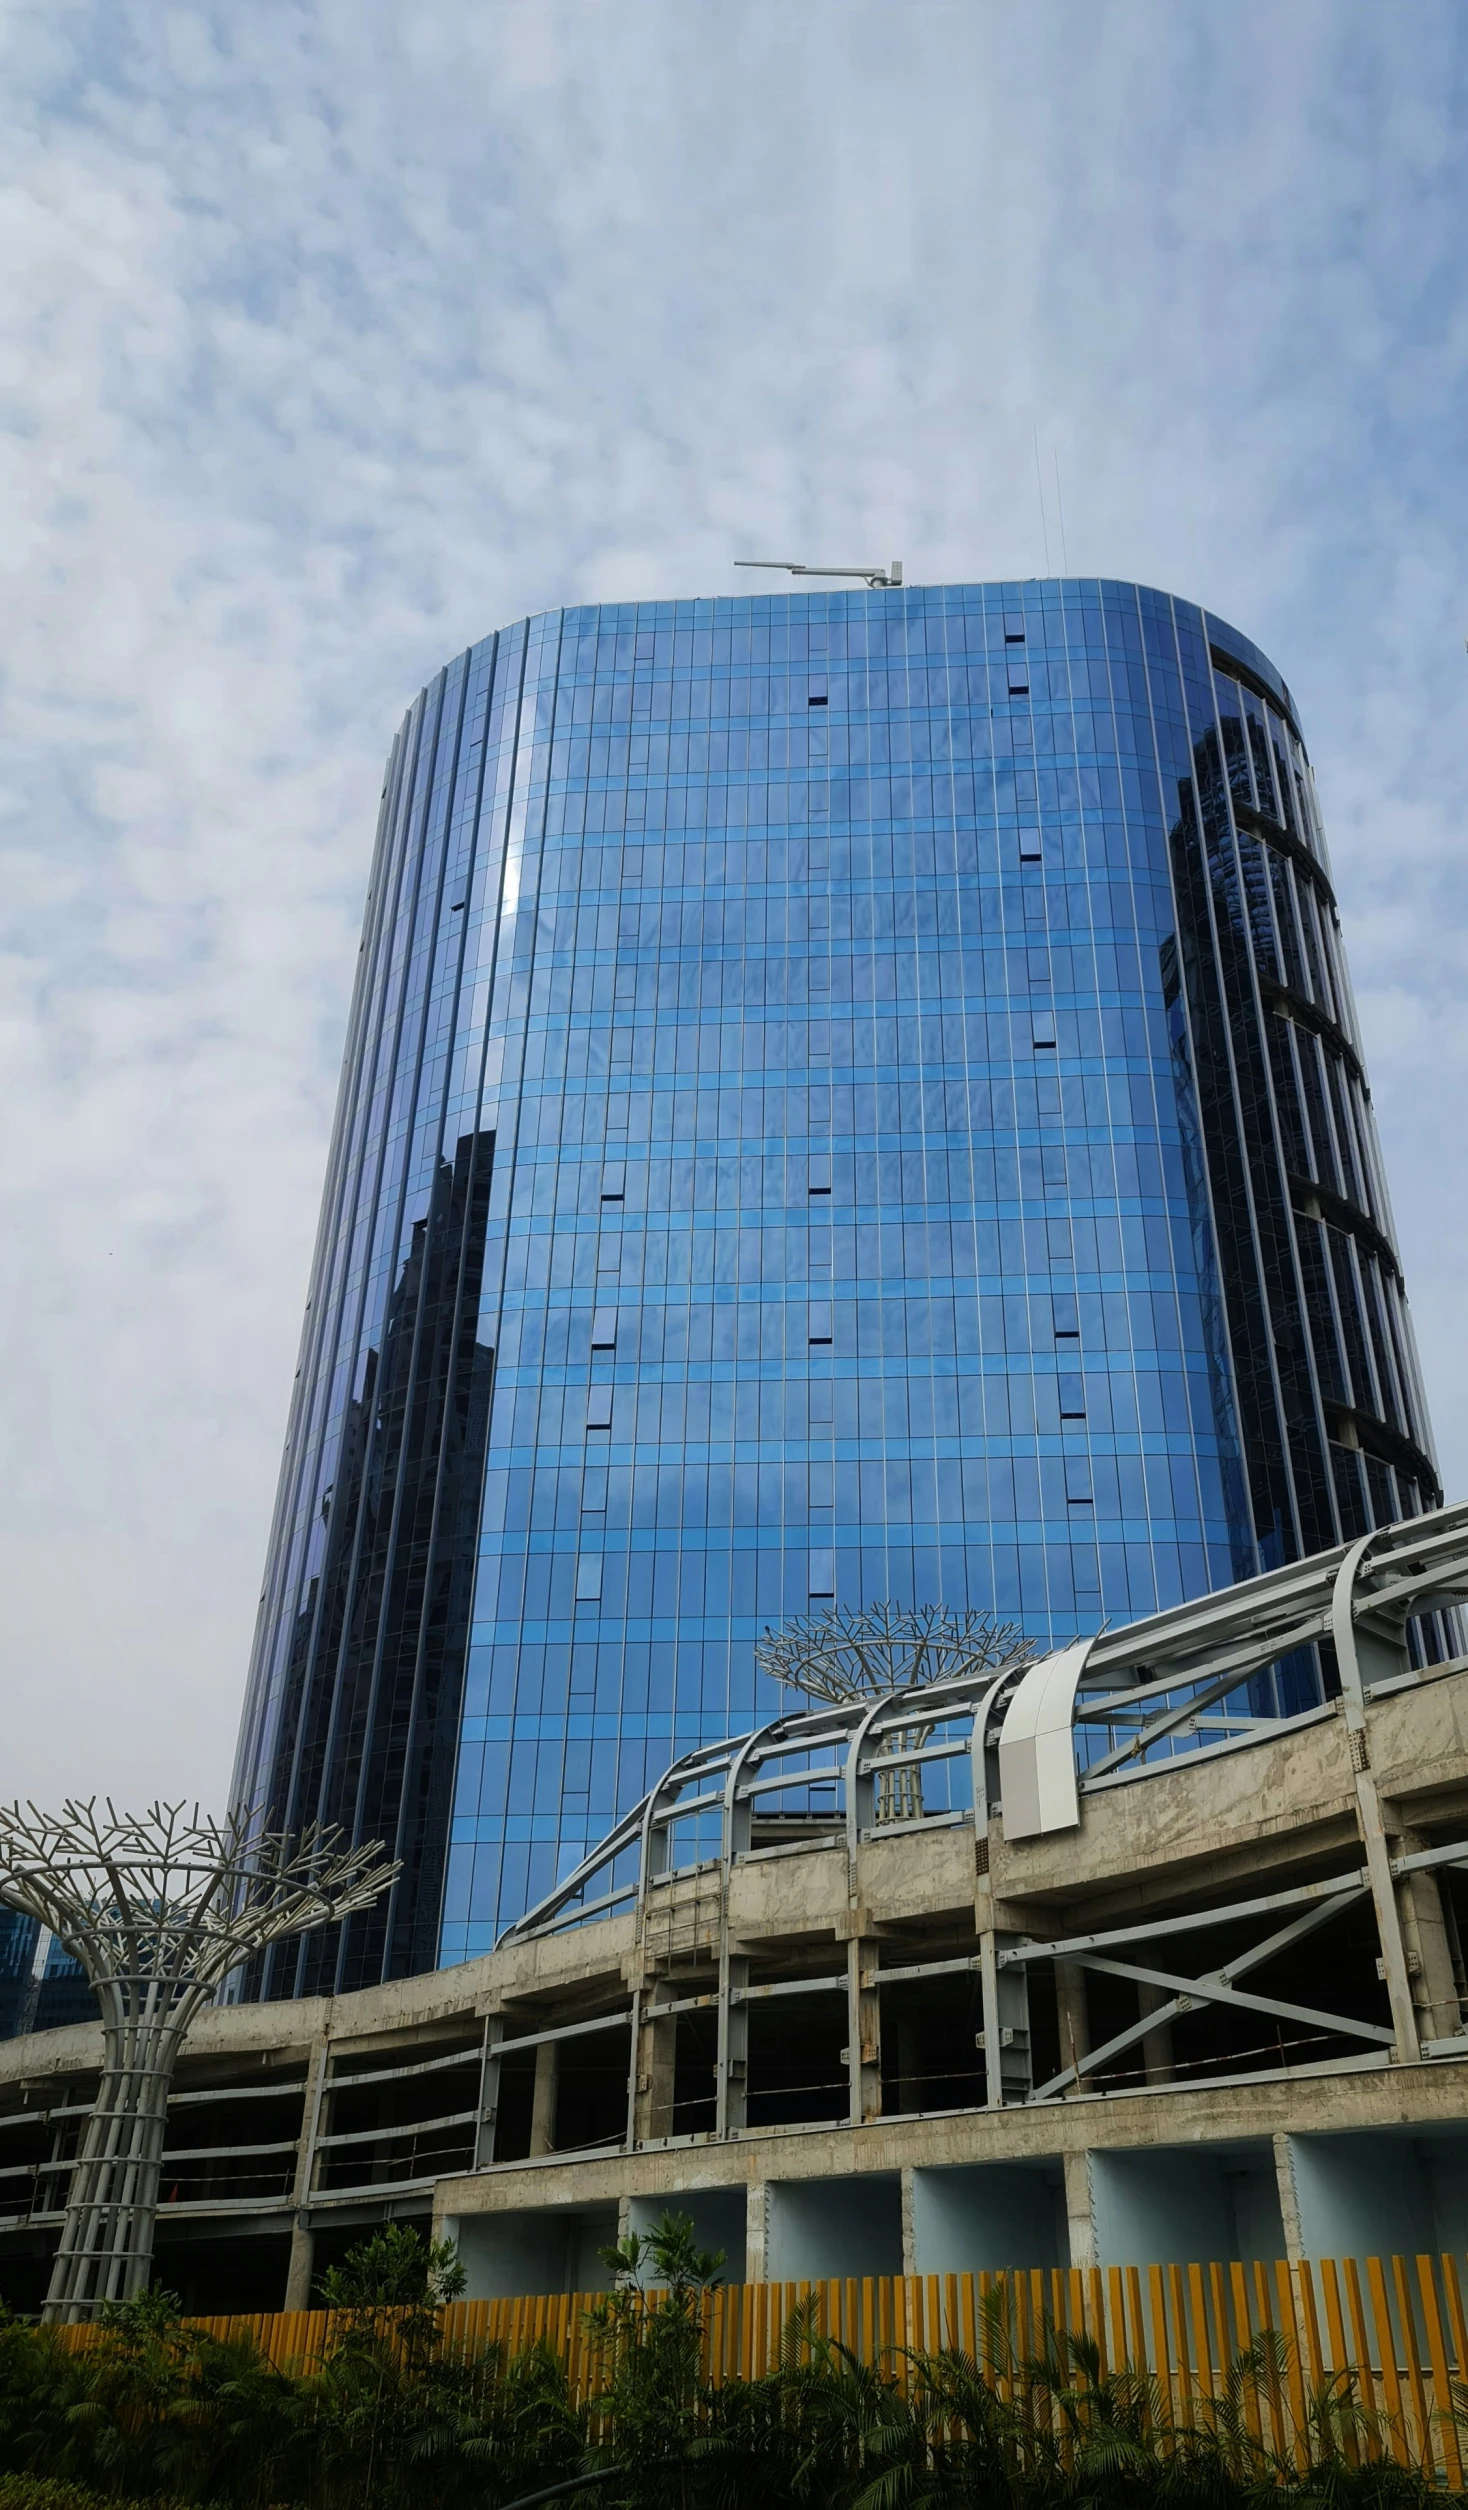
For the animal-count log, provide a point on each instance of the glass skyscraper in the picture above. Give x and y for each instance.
(847, 1095)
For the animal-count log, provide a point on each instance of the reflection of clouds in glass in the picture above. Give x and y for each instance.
(294, 415)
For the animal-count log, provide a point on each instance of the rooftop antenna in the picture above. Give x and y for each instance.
(880, 578)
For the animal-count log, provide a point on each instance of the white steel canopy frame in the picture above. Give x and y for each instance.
(1022, 1747)
(1134, 1699)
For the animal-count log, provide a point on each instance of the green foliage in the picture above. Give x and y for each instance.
(666, 2255)
(153, 2414)
(48, 2492)
(648, 2334)
(154, 2410)
(396, 2268)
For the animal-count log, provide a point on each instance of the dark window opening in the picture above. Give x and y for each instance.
(410, 2145)
(931, 2057)
(219, 2272)
(1333, 1972)
(797, 2060)
(515, 2106)
(695, 2092)
(591, 2092)
(588, 2097)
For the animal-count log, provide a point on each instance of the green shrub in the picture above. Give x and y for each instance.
(52, 2492)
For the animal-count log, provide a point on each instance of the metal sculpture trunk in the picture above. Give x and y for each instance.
(880, 1651)
(159, 1909)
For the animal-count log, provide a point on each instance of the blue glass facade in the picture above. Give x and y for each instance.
(42, 1985)
(846, 1094)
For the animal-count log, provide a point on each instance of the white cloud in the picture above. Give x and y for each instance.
(336, 334)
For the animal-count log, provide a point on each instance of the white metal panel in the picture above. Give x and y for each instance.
(1037, 1762)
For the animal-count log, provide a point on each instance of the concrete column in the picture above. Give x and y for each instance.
(543, 2103)
(988, 1967)
(1289, 2201)
(756, 2232)
(1366, 1652)
(1008, 2072)
(731, 2079)
(1070, 1998)
(909, 2232)
(489, 2092)
(657, 2048)
(864, 2026)
(1157, 2046)
(1428, 1946)
(299, 2272)
(303, 2246)
(1079, 2214)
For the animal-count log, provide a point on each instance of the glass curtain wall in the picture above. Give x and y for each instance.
(848, 1096)
(42, 1985)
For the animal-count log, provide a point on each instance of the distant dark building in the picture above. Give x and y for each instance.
(871, 1078)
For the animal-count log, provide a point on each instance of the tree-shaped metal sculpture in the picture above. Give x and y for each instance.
(159, 1908)
(887, 1648)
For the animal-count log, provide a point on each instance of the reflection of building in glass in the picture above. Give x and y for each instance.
(1333, 1422)
(42, 1985)
(931, 1159)
(375, 1670)
(17, 1959)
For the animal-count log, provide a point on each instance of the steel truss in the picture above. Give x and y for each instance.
(159, 1908)
(1317, 1904)
(1014, 1752)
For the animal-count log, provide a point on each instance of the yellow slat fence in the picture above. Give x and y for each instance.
(1389, 2332)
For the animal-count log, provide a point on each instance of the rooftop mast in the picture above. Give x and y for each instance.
(881, 579)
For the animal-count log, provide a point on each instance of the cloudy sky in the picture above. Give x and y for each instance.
(336, 333)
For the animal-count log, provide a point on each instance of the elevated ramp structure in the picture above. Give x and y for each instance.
(1137, 1963)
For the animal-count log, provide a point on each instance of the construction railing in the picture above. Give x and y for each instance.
(1386, 2336)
